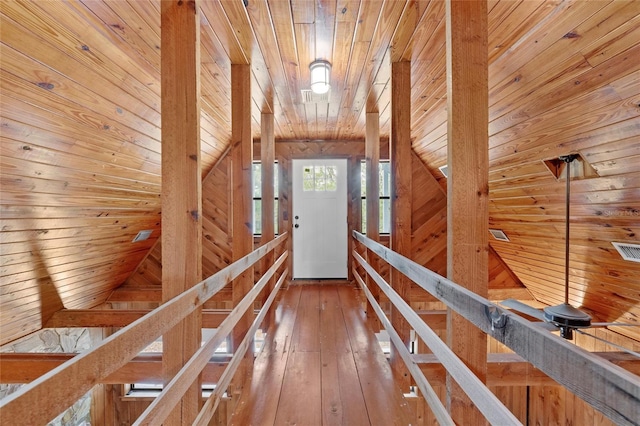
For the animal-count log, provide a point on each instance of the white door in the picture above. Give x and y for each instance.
(320, 218)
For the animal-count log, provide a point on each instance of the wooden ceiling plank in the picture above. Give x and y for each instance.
(367, 21)
(556, 20)
(281, 62)
(563, 91)
(513, 27)
(21, 70)
(378, 50)
(303, 11)
(239, 22)
(73, 61)
(214, 16)
(101, 135)
(567, 143)
(619, 35)
(118, 17)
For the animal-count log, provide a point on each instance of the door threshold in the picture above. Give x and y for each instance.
(320, 281)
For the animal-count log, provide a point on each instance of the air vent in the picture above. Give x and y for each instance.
(142, 235)
(309, 97)
(444, 170)
(499, 235)
(630, 252)
(580, 168)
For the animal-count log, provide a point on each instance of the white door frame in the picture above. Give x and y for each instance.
(320, 211)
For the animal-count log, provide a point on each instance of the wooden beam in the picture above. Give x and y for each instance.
(401, 197)
(503, 369)
(604, 386)
(421, 381)
(372, 159)
(494, 294)
(154, 294)
(467, 185)
(157, 411)
(242, 197)
(267, 158)
(480, 396)
(147, 368)
(119, 317)
(508, 369)
(181, 186)
(40, 401)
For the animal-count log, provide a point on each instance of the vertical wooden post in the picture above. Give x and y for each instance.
(372, 160)
(267, 158)
(401, 198)
(242, 232)
(467, 185)
(181, 187)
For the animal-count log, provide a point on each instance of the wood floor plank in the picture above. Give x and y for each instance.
(300, 401)
(321, 365)
(259, 403)
(306, 334)
(385, 402)
(342, 400)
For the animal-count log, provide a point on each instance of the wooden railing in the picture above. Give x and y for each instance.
(44, 398)
(605, 386)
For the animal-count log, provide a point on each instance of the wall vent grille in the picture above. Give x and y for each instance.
(444, 170)
(499, 235)
(142, 235)
(630, 252)
(309, 97)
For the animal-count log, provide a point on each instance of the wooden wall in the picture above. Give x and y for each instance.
(570, 84)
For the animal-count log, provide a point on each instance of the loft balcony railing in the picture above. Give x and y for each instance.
(41, 400)
(605, 386)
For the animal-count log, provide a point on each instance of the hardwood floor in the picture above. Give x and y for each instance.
(321, 365)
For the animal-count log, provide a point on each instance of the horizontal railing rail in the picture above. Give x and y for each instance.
(486, 402)
(605, 386)
(171, 394)
(41, 400)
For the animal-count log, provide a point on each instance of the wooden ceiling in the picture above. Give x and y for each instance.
(80, 128)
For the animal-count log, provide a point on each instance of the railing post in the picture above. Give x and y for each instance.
(401, 198)
(242, 229)
(372, 159)
(181, 186)
(467, 186)
(267, 158)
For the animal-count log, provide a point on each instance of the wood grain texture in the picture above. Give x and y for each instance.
(401, 196)
(181, 191)
(80, 151)
(467, 187)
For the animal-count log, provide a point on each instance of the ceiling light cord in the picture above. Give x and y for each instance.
(567, 159)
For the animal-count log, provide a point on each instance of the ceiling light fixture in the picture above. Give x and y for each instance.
(320, 75)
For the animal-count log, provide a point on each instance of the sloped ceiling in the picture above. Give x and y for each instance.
(80, 128)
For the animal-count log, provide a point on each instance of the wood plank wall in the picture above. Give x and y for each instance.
(80, 151)
(568, 85)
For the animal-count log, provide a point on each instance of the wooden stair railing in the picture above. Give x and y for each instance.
(41, 400)
(605, 386)
(488, 404)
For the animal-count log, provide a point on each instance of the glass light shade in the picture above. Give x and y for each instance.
(320, 75)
